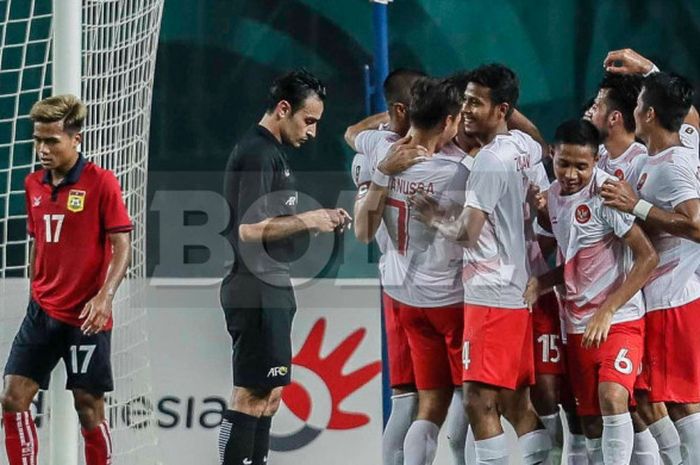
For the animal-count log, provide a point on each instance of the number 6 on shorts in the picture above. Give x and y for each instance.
(622, 363)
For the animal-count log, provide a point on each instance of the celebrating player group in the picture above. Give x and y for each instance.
(507, 297)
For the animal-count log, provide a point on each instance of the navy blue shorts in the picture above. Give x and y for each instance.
(259, 320)
(42, 341)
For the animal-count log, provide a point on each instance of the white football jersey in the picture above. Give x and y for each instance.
(689, 137)
(496, 269)
(624, 166)
(668, 179)
(596, 259)
(420, 267)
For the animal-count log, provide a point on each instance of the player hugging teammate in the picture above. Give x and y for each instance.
(528, 296)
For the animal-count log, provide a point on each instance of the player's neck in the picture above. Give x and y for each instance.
(59, 173)
(618, 144)
(486, 138)
(661, 140)
(466, 143)
(427, 139)
(269, 123)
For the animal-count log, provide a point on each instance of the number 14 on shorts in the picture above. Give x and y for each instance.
(465, 355)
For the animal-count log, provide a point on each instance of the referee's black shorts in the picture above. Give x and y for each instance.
(259, 319)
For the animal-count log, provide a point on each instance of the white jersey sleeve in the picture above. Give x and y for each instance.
(690, 137)
(676, 184)
(488, 182)
(620, 222)
(360, 171)
(527, 144)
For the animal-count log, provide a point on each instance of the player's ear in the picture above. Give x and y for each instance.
(284, 109)
(77, 139)
(650, 114)
(504, 109)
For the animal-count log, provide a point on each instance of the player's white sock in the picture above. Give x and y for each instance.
(618, 439)
(689, 432)
(420, 444)
(456, 428)
(554, 428)
(577, 454)
(594, 449)
(470, 447)
(403, 410)
(492, 451)
(535, 446)
(666, 435)
(645, 450)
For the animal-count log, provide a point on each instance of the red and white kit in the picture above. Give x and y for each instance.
(596, 261)
(498, 346)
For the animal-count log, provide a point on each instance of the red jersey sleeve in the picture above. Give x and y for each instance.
(28, 206)
(113, 214)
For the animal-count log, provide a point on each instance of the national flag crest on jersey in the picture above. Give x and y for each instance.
(76, 201)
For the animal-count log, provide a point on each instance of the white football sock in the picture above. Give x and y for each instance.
(456, 428)
(645, 450)
(470, 447)
(618, 439)
(594, 448)
(420, 444)
(577, 454)
(535, 446)
(492, 451)
(666, 435)
(689, 432)
(556, 434)
(403, 410)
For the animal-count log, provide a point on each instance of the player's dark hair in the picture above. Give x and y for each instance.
(578, 132)
(671, 96)
(501, 80)
(587, 106)
(295, 87)
(397, 85)
(432, 100)
(461, 79)
(622, 93)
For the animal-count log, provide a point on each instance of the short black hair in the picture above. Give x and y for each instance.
(295, 87)
(432, 100)
(501, 80)
(578, 132)
(461, 79)
(397, 85)
(623, 90)
(671, 96)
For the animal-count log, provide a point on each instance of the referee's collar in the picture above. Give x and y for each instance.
(263, 131)
(73, 174)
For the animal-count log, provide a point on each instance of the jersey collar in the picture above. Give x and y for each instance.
(73, 174)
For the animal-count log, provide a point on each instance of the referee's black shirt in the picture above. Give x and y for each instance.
(259, 184)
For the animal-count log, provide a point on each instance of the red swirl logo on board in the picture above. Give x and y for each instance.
(583, 214)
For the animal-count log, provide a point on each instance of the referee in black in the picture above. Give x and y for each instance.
(257, 295)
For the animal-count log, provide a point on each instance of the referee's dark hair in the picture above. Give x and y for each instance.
(295, 87)
(670, 95)
(578, 132)
(397, 85)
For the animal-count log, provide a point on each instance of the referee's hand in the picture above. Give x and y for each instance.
(327, 219)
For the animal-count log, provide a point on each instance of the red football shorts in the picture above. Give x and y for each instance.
(400, 364)
(497, 348)
(546, 328)
(435, 339)
(617, 360)
(673, 354)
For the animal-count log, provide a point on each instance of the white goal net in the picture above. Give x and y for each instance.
(120, 39)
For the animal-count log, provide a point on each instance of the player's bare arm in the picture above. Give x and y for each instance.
(538, 285)
(627, 61)
(645, 260)
(371, 122)
(683, 221)
(464, 230)
(99, 309)
(273, 229)
(30, 268)
(521, 122)
(369, 207)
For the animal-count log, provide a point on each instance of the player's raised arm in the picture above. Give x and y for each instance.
(371, 122)
(627, 61)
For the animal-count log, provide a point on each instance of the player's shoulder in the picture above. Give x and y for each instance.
(599, 177)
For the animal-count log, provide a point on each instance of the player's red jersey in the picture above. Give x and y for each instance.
(70, 224)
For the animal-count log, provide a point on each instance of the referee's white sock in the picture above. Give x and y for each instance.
(666, 435)
(535, 446)
(420, 444)
(403, 410)
(577, 454)
(556, 434)
(689, 432)
(618, 439)
(594, 447)
(456, 428)
(492, 451)
(645, 450)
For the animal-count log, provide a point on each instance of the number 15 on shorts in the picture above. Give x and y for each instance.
(80, 357)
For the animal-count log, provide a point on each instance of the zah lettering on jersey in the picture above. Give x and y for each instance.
(76, 201)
